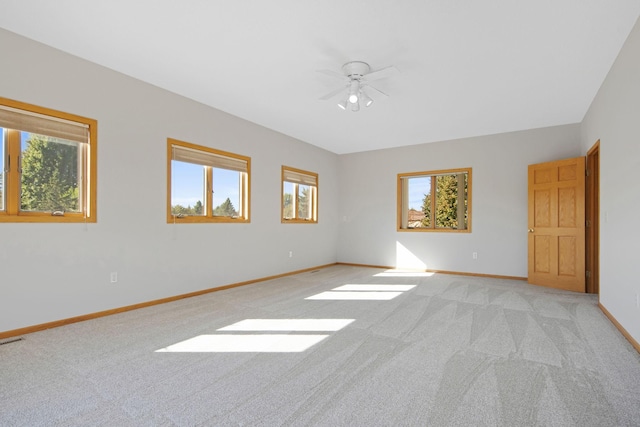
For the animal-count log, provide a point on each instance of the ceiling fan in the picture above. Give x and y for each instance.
(356, 78)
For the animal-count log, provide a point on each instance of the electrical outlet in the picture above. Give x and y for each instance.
(290, 254)
(114, 276)
(475, 255)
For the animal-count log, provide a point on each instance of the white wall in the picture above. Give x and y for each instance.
(499, 201)
(614, 119)
(55, 271)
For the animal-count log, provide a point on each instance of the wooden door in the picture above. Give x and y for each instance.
(557, 224)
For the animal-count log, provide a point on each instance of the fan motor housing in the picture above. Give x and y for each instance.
(355, 69)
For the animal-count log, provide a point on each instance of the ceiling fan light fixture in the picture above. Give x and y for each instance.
(354, 89)
(366, 99)
(357, 76)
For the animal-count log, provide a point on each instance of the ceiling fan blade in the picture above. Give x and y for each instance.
(381, 74)
(333, 74)
(333, 93)
(377, 90)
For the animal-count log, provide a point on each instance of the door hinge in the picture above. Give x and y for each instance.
(588, 274)
(587, 172)
(588, 223)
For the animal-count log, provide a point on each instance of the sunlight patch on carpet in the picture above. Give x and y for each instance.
(364, 296)
(366, 287)
(404, 273)
(245, 344)
(309, 325)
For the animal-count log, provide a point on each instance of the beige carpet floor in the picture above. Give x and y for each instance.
(341, 346)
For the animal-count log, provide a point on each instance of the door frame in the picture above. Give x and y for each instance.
(592, 216)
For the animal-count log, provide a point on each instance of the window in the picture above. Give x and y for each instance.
(206, 185)
(299, 196)
(435, 201)
(47, 165)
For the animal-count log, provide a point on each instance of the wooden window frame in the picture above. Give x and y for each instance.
(245, 186)
(402, 195)
(89, 171)
(314, 196)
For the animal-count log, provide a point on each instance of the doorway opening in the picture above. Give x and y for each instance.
(592, 214)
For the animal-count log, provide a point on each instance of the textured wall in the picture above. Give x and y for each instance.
(614, 119)
(499, 201)
(54, 271)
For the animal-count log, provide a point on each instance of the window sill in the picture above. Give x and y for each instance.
(433, 230)
(46, 218)
(298, 221)
(206, 220)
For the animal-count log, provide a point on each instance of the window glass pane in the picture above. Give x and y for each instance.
(51, 174)
(464, 224)
(226, 192)
(304, 201)
(419, 212)
(288, 200)
(446, 201)
(187, 192)
(2, 157)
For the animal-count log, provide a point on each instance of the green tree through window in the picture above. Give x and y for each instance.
(303, 202)
(197, 209)
(287, 207)
(49, 179)
(446, 214)
(225, 209)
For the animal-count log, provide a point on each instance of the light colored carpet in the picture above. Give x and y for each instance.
(451, 350)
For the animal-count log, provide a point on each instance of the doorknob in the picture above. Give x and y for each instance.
(531, 230)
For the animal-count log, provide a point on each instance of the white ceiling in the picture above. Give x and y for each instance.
(467, 67)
